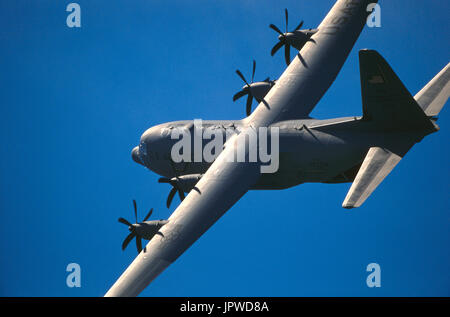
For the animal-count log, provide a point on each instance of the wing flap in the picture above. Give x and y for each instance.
(377, 165)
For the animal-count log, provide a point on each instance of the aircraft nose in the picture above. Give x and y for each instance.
(135, 155)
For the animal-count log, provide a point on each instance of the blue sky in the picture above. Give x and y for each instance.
(74, 102)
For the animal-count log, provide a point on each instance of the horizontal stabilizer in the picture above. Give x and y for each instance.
(376, 166)
(434, 95)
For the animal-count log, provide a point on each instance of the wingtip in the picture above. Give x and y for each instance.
(348, 204)
(369, 53)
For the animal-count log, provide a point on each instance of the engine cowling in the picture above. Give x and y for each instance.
(187, 182)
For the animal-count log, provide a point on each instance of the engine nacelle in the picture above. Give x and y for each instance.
(299, 38)
(261, 88)
(187, 182)
(148, 229)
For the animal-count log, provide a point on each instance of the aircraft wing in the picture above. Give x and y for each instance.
(220, 188)
(294, 96)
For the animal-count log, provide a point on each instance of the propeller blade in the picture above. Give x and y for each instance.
(276, 48)
(127, 240)
(249, 104)
(286, 14)
(273, 27)
(135, 210)
(124, 221)
(287, 53)
(148, 215)
(242, 76)
(181, 194)
(139, 244)
(299, 26)
(164, 180)
(170, 197)
(238, 95)
(254, 68)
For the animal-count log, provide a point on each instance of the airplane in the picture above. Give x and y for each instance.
(360, 150)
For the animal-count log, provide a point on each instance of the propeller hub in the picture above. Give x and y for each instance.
(287, 37)
(133, 227)
(282, 37)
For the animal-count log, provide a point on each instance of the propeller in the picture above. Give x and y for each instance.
(132, 229)
(174, 190)
(175, 185)
(247, 90)
(283, 39)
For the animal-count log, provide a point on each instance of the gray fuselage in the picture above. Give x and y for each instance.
(310, 150)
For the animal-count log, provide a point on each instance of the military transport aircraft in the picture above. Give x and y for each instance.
(361, 150)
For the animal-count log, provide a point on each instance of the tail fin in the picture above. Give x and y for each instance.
(386, 101)
(434, 95)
